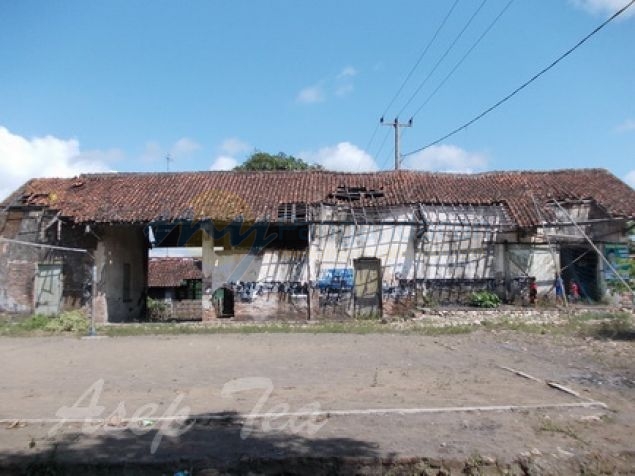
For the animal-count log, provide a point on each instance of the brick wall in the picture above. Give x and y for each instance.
(18, 289)
(187, 309)
(19, 263)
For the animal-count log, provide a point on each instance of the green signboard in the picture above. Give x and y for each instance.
(617, 255)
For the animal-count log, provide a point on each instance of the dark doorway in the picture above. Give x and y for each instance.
(580, 264)
(223, 300)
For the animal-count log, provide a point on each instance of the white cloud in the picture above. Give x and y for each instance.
(224, 162)
(344, 81)
(234, 146)
(343, 157)
(630, 178)
(347, 72)
(22, 159)
(344, 89)
(154, 151)
(339, 85)
(184, 147)
(311, 95)
(229, 149)
(603, 7)
(627, 126)
(446, 158)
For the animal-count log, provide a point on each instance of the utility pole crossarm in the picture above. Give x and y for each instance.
(396, 124)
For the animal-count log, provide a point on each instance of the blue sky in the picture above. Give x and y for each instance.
(99, 86)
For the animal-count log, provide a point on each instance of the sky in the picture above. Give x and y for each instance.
(90, 86)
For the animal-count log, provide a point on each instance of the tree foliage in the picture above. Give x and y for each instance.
(280, 161)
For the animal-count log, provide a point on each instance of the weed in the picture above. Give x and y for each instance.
(158, 310)
(553, 427)
(369, 316)
(71, 321)
(600, 316)
(617, 326)
(484, 299)
(35, 322)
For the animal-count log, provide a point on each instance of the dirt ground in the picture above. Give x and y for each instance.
(317, 403)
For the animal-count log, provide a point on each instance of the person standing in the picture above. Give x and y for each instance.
(533, 292)
(558, 285)
(575, 292)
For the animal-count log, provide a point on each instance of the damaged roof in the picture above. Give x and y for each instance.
(172, 272)
(257, 196)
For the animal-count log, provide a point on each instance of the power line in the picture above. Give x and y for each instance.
(389, 152)
(381, 147)
(447, 51)
(412, 70)
(528, 82)
(416, 65)
(456, 66)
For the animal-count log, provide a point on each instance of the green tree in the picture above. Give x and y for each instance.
(280, 161)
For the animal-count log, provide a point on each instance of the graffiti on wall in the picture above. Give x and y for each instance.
(335, 286)
(260, 300)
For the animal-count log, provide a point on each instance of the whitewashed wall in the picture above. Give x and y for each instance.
(449, 249)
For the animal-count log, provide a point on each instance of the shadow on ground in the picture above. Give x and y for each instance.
(222, 441)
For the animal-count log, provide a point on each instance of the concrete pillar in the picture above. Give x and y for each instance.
(209, 261)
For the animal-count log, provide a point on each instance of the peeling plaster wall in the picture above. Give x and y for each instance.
(463, 248)
(535, 260)
(449, 249)
(121, 289)
(337, 246)
(454, 250)
(267, 277)
(261, 272)
(266, 266)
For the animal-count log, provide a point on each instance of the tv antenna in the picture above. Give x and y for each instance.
(168, 159)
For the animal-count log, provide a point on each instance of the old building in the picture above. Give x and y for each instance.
(177, 283)
(293, 244)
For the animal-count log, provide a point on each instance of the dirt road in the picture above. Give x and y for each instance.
(283, 399)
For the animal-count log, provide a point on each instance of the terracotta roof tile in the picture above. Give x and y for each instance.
(146, 197)
(171, 272)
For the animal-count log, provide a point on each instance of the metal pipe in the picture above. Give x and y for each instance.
(51, 247)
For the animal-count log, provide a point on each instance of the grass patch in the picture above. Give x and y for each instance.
(430, 330)
(74, 322)
(508, 324)
(600, 325)
(346, 327)
(618, 326)
(34, 323)
(364, 327)
(600, 316)
(553, 427)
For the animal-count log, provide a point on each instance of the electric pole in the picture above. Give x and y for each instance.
(396, 124)
(168, 159)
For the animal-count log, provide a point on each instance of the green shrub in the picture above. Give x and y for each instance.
(484, 299)
(158, 310)
(70, 321)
